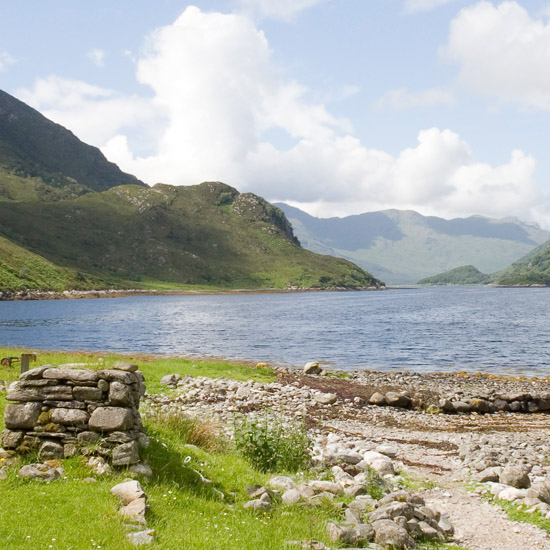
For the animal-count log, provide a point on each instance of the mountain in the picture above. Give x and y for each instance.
(42, 160)
(465, 275)
(402, 247)
(533, 269)
(71, 219)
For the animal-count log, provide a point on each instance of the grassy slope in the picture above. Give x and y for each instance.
(69, 514)
(206, 235)
(532, 269)
(465, 275)
(21, 269)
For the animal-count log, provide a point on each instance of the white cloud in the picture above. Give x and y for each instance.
(503, 52)
(402, 99)
(5, 60)
(276, 9)
(412, 6)
(216, 94)
(97, 57)
(95, 114)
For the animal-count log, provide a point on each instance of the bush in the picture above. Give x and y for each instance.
(271, 445)
(206, 434)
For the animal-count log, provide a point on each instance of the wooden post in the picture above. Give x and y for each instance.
(25, 361)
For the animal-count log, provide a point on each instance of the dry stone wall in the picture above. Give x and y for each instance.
(61, 412)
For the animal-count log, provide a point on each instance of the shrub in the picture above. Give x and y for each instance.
(206, 434)
(271, 445)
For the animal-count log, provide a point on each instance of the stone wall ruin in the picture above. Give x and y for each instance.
(61, 412)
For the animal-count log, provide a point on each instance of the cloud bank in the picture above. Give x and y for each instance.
(503, 53)
(216, 97)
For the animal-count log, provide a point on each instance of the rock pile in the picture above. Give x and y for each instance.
(62, 412)
(133, 510)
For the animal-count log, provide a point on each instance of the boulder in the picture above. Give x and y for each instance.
(515, 476)
(22, 416)
(110, 419)
(69, 417)
(389, 534)
(128, 491)
(291, 496)
(313, 367)
(135, 511)
(171, 380)
(511, 493)
(74, 375)
(394, 399)
(541, 490)
(11, 439)
(127, 367)
(141, 537)
(327, 487)
(325, 398)
(120, 394)
(41, 472)
(125, 454)
(50, 450)
(377, 399)
(281, 482)
(85, 393)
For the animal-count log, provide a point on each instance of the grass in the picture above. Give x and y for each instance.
(206, 235)
(196, 494)
(153, 367)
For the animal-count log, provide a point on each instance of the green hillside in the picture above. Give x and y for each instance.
(464, 275)
(40, 159)
(21, 269)
(533, 269)
(207, 234)
(71, 219)
(402, 247)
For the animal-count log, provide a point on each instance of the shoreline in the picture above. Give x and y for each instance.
(26, 295)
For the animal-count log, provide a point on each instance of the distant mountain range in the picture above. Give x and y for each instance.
(403, 247)
(71, 219)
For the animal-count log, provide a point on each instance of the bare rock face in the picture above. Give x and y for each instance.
(21, 416)
(111, 419)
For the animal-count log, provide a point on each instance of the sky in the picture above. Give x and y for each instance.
(335, 106)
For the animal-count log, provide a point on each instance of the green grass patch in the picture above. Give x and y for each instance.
(153, 367)
(519, 513)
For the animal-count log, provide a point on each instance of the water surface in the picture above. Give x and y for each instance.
(499, 330)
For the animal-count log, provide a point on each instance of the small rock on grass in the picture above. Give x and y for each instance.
(142, 537)
(39, 471)
(128, 491)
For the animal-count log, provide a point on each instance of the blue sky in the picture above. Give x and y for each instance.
(335, 106)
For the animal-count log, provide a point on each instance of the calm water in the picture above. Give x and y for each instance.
(488, 329)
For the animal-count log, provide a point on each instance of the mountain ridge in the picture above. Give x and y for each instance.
(403, 247)
(71, 219)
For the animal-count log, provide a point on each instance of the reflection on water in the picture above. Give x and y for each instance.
(487, 329)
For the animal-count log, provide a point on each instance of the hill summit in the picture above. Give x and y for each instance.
(71, 219)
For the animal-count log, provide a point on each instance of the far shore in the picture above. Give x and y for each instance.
(19, 295)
